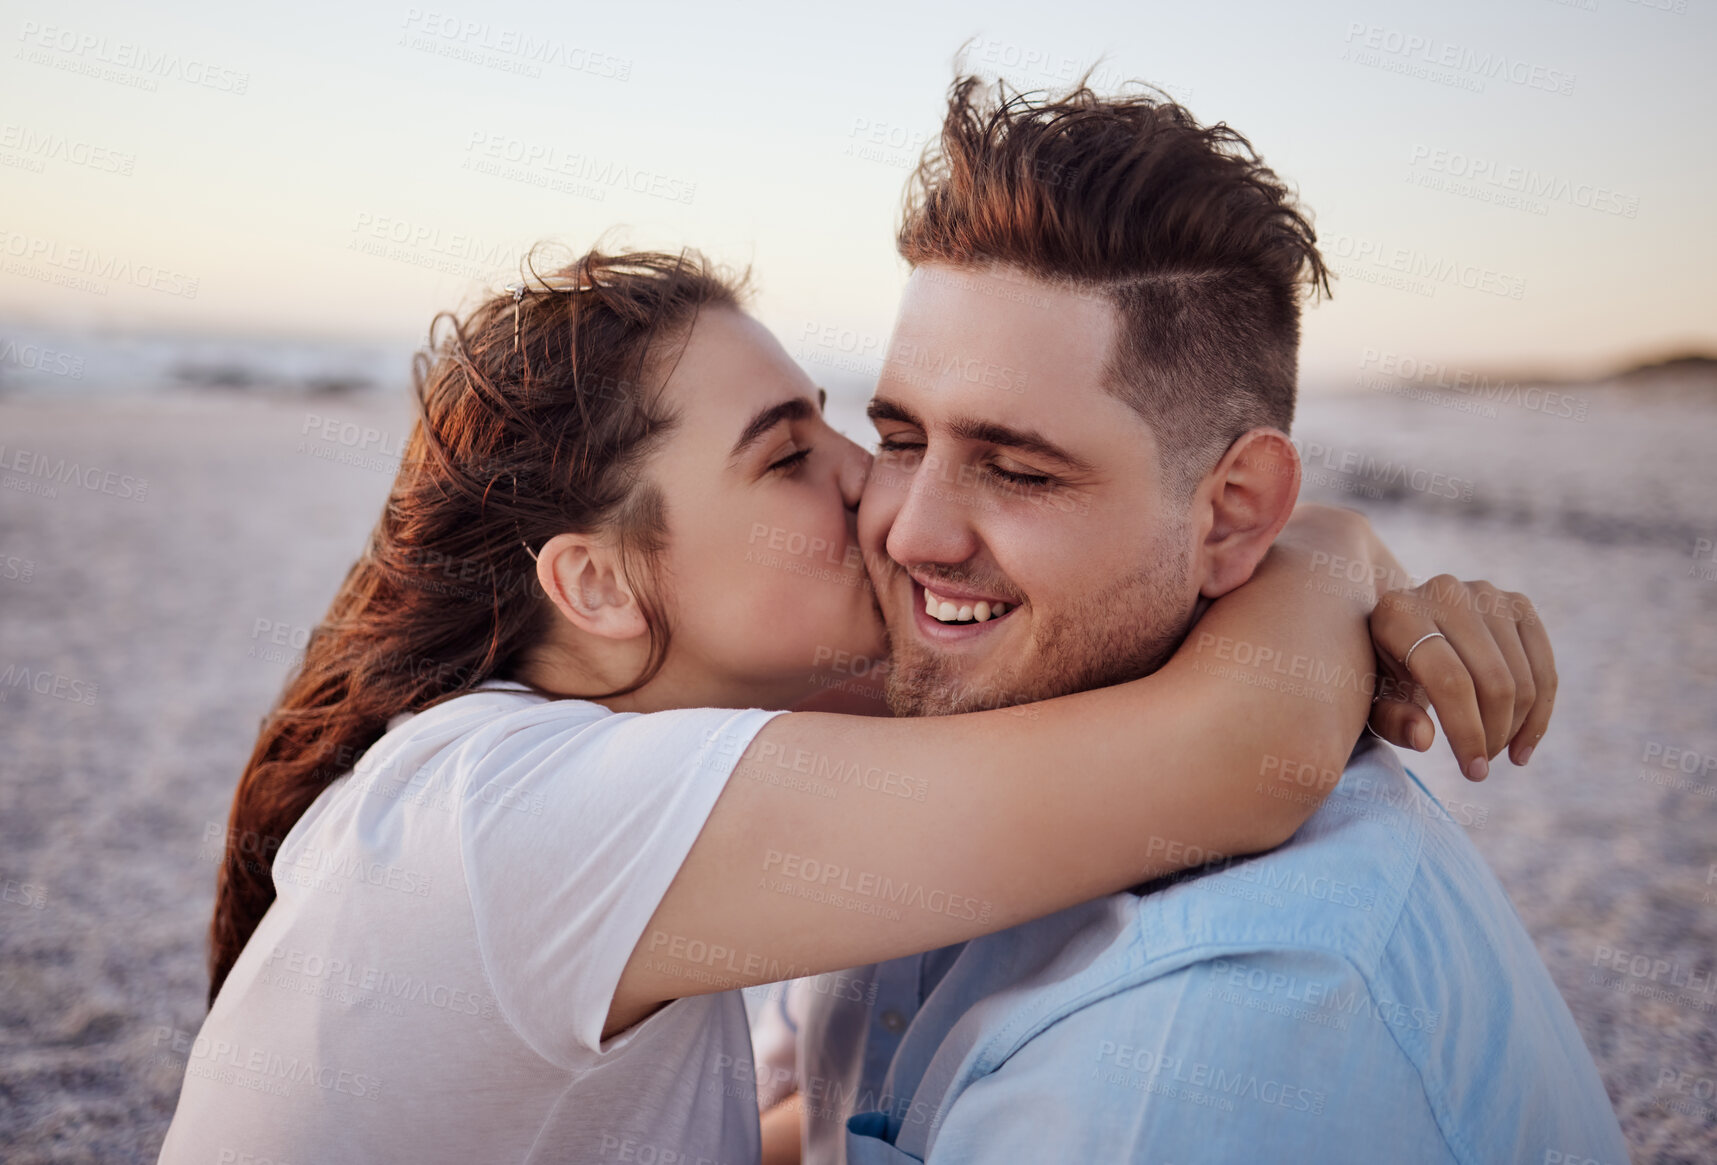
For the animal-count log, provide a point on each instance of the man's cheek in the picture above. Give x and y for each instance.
(886, 575)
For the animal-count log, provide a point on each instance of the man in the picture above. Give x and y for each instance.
(1126, 283)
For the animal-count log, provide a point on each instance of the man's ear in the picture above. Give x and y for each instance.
(585, 579)
(1246, 499)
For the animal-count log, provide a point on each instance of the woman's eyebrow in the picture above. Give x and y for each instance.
(796, 409)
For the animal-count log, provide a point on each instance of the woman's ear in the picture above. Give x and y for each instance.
(585, 579)
(1250, 496)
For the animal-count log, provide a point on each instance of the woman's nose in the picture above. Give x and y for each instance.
(854, 469)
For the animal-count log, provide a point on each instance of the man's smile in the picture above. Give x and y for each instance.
(950, 616)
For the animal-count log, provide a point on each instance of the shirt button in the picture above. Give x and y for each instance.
(893, 1021)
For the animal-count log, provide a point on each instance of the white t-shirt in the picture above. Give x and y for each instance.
(452, 920)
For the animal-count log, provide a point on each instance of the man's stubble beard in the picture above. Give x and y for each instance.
(1122, 632)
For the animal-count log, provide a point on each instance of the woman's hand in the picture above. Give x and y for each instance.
(1478, 655)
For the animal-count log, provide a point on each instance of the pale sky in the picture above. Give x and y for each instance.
(349, 189)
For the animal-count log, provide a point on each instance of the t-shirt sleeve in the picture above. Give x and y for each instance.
(572, 832)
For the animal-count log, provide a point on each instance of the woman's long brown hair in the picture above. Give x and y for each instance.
(536, 413)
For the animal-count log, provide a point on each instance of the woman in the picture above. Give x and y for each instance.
(493, 812)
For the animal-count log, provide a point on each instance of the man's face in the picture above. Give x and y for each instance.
(1007, 478)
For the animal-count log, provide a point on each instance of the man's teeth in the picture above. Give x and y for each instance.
(943, 611)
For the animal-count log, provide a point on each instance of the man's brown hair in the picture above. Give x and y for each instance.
(1199, 246)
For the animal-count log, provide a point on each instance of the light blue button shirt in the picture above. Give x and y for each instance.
(1364, 993)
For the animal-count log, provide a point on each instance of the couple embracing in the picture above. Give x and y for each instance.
(1139, 888)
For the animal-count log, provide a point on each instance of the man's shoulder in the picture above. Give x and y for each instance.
(1339, 886)
(1376, 890)
(1335, 893)
(1374, 954)
(1377, 938)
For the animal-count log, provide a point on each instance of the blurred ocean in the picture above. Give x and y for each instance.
(42, 362)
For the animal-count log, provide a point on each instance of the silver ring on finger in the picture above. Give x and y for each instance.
(1417, 642)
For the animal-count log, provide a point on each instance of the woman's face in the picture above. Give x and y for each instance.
(762, 577)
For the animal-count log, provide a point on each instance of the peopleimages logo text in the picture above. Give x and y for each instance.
(1462, 61)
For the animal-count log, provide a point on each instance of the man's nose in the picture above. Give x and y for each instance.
(933, 523)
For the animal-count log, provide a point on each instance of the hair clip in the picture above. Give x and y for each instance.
(518, 290)
(544, 283)
(516, 529)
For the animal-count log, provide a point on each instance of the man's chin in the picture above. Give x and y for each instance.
(908, 697)
(932, 687)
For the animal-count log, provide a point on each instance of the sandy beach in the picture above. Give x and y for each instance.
(152, 604)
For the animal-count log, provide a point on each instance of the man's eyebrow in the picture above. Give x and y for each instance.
(1028, 440)
(795, 409)
(881, 408)
(983, 432)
